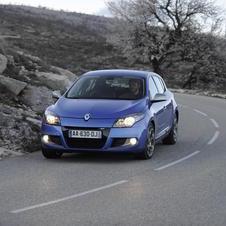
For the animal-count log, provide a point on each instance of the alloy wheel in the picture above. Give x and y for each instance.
(175, 129)
(150, 142)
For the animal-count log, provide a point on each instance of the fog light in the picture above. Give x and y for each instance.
(133, 141)
(45, 139)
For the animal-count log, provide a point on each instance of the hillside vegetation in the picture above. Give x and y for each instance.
(70, 40)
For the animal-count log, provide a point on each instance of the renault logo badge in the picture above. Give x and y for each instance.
(87, 117)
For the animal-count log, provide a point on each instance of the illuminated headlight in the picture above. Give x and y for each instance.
(128, 121)
(45, 139)
(51, 118)
(133, 141)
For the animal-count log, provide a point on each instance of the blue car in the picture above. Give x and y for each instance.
(111, 111)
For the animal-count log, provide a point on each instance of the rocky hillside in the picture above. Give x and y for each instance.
(26, 85)
(69, 40)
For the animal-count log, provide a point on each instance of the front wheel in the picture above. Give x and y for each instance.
(148, 151)
(51, 154)
(172, 137)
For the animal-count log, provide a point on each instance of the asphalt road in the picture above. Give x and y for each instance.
(184, 184)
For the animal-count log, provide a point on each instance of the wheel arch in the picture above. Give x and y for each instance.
(152, 121)
(177, 114)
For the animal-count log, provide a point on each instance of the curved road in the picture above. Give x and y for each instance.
(184, 184)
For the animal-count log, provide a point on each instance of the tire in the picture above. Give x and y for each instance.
(172, 137)
(51, 154)
(148, 151)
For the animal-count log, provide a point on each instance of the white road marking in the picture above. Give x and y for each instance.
(200, 112)
(178, 161)
(69, 197)
(215, 123)
(214, 138)
(217, 133)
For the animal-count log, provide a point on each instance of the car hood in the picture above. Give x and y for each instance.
(77, 108)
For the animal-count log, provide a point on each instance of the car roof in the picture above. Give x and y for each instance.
(119, 72)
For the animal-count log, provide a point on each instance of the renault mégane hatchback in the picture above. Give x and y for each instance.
(111, 111)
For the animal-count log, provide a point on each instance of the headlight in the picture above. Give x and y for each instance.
(51, 118)
(128, 121)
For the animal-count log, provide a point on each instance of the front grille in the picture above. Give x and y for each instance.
(85, 142)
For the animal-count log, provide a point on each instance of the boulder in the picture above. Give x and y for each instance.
(3, 63)
(53, 81)
(65, 72)
(37, 98)
(34, 122)
(12, 85)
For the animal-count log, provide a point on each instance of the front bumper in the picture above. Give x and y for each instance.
(114, 139)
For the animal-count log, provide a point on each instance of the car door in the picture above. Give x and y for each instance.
(167, 105)
(157, 109)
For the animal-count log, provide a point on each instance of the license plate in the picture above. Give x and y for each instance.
(85, 134)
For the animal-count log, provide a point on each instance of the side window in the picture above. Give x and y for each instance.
(163, 84)
(152, 88)
(159, 85)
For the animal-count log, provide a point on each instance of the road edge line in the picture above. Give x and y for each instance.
(68, 197)
(177, 161)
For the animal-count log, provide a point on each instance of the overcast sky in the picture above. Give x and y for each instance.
(83, 6)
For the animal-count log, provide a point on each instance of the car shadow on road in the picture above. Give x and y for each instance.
(98, 157)
(162, 152)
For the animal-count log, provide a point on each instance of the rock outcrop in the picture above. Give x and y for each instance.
(26, 87)
(53, 81)
(61, 71)
(37, 98)
(12, 85)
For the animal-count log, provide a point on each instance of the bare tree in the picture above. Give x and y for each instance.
(152, 30)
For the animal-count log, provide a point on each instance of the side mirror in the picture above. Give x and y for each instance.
(56, 94)
(159, 98)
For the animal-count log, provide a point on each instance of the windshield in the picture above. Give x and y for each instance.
(105, 87)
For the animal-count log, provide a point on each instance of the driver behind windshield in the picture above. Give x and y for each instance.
(134, 91)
